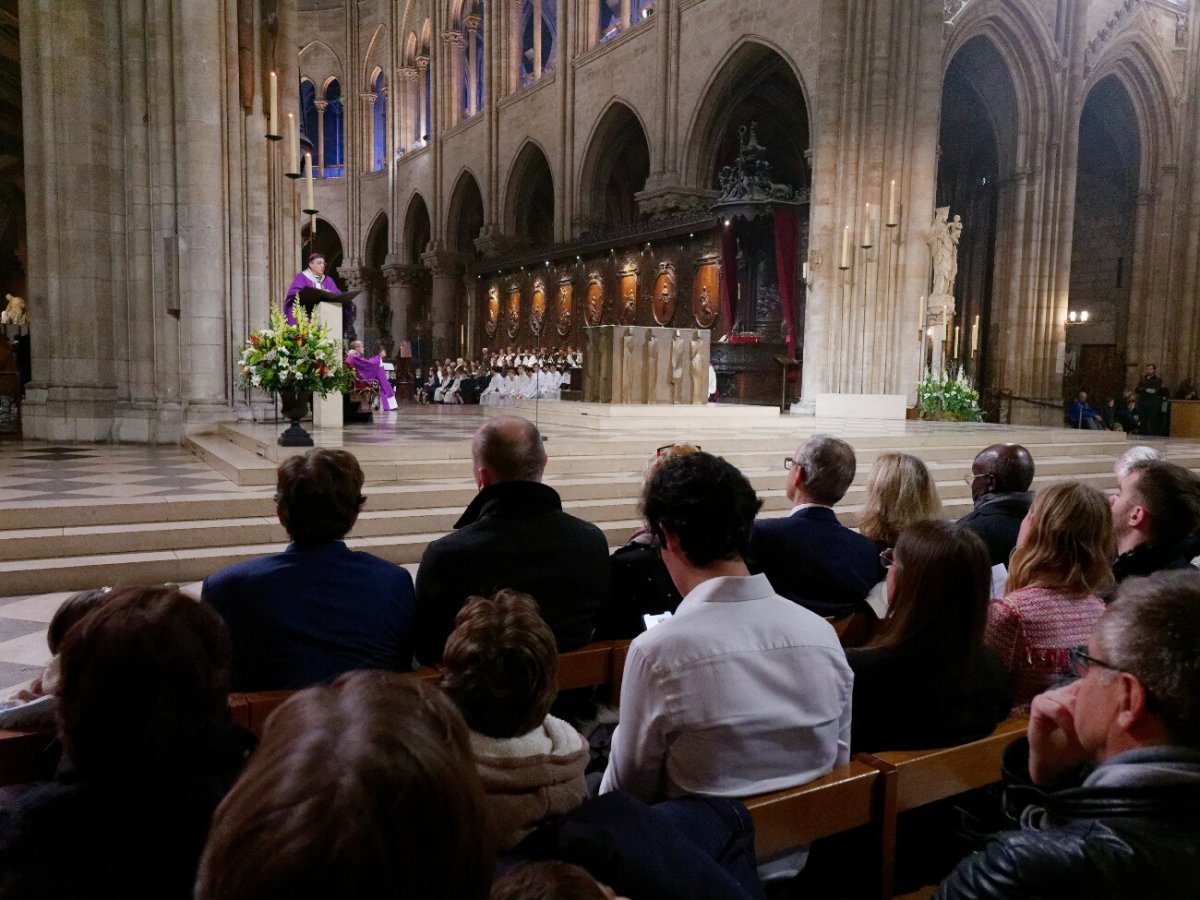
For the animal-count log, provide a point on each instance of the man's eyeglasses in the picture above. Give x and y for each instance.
(888, 558)
(789, 461)
(1081, 662)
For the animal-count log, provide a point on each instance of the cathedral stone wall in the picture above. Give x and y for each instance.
(160, 226)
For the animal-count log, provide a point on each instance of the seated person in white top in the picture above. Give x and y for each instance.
(449, 391)
(742, 691)
(493, 393)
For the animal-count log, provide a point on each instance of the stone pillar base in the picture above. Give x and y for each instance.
(68, 412)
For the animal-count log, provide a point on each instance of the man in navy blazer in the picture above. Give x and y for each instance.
(318, 609)
(809, 557)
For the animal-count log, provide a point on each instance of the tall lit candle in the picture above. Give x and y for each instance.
(956, 331)
(975, 336)
(273, 120)
(804, 272)
(866, 235)
(845, 263)
(293, 145)
(308, 181)
(891, 219)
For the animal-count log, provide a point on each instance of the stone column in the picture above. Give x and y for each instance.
(402, 281)
(321, 106)
(446, 268)
(368, 130)
(452, 72)
(537, 39)
(472, 24)
(407, 124)
(422, 92)
(625, 13)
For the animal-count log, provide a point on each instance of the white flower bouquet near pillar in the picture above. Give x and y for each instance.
(951, 398)
(294, 362)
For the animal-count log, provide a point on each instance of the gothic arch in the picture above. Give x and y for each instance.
(615, 167)
(318, 62)
(1023, 42)
(1145, 75)
(375, 57)
(529, 196)
(464, 214)
(748, 66)
(417, 232)
(376, 240)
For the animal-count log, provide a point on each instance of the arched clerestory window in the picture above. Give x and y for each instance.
(618, 15)
(539, 31)
(333, 150)
(379, 142)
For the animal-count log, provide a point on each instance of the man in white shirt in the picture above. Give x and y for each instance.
(742, 691)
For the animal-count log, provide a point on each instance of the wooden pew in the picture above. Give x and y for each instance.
(783, 820)
(910, 779)
(592, 666)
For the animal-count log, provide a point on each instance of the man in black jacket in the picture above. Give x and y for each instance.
(1132, 827)
(1000, 479)
(513, 535)
(1156, 512)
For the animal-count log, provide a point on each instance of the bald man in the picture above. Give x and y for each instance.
(1000, 479)
(513, 535)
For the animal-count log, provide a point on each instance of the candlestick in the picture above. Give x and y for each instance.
(956, 330)
(293, 163)
(975, 336)
(866, 234)
(845, 261)
(273, 117)
(308, 184)
(804, 272)
(891, 216)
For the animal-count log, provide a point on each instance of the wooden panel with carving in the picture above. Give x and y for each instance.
(514, 311)
(663, 301)
(706, 293)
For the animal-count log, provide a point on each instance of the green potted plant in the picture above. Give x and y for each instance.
(293, 362)
(948, 397)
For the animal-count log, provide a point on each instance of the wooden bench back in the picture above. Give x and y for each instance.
(795, 817)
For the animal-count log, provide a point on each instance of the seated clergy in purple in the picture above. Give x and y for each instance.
(371, 369)
(313, 276)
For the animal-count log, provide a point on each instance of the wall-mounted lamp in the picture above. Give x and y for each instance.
(1078, 318)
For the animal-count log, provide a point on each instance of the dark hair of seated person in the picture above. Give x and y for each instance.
(318, 496)
(500, 664)
(145, 676)
(548, 880)
(941, 595)
(706, 502)
(366, 789)
(71, 611)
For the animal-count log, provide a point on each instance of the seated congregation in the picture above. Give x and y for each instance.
(795, 650)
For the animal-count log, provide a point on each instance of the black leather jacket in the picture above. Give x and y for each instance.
(1131, 830)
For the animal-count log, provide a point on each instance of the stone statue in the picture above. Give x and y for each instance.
(943, 238)
(627, 367)
(14, 313)
(699, 366)
(652, 350)
(676, 374)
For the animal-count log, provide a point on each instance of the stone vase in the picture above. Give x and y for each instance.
(294, 406)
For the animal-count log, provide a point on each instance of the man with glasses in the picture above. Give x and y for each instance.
(808, 556)
(1132, 827)
(1000, 478)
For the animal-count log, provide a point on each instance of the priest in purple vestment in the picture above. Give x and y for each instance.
(371, 369)
(313, 276)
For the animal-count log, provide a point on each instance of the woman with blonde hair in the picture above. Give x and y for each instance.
(1060, 565)
(900, 491)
